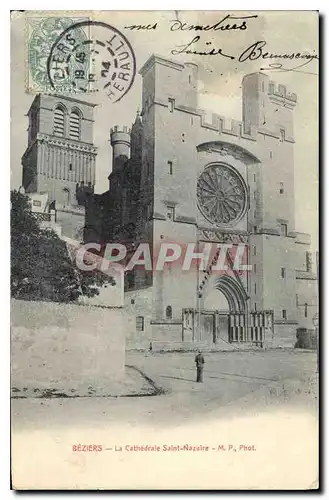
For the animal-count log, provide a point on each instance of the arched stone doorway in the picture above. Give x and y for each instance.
(223, 311)
(216, 300)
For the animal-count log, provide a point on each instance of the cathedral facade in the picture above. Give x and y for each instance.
(180, 176)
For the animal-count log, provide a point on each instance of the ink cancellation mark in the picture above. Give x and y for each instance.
(41, 34)
(103, 62)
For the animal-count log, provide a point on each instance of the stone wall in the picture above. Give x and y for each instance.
(66, 346)
(169, 333)
(284, 336)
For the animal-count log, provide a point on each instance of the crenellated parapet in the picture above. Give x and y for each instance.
(282, 92)
(83, 190)
(120, 130)
(223, 125)
(227, 126)
(266, 105)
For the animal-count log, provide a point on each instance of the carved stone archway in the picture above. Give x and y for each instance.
(232, 290)
(230, 326)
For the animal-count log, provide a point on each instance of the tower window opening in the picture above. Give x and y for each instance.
(171, 105)
(170, 167)
(254, 177)
(282, 134)
(168, 312)
(305, 311)
(309, 262)
(283, 272)
(59, 122)
(284, 229)
(75, 125)
(140, 323)
(254, 249)
(70, 167)
(281, 188)
(189, 78)
(284, 314)
(170, 213)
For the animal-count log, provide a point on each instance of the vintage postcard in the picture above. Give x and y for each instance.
(164, 250)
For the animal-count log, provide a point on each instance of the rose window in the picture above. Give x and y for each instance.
(222, 194)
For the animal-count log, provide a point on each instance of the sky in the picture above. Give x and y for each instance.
(220, 83)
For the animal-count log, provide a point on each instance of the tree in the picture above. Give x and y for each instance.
(41, 268)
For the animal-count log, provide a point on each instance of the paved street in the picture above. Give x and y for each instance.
(264, 400)
(228, 378)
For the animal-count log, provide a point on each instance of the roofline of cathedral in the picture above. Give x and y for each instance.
(161, 60)
(275, 91)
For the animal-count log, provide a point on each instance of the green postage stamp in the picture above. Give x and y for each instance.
(79, 56)
(41, 35)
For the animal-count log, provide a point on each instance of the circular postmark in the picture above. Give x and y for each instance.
(44, 34)
(104, 61)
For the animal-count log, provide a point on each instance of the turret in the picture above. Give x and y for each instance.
(82, 191)
(120, 142)
(267, 105)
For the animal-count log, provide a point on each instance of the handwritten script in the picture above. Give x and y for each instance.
(224, 24)
(231, 24)
(188, 49)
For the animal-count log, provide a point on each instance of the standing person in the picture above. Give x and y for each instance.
(199, 361)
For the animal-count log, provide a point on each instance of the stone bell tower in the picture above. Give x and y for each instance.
(60, 157)
(60, 153)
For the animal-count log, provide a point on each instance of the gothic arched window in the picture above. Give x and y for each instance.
(59, 121)
(168, 312)
(75, 125)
